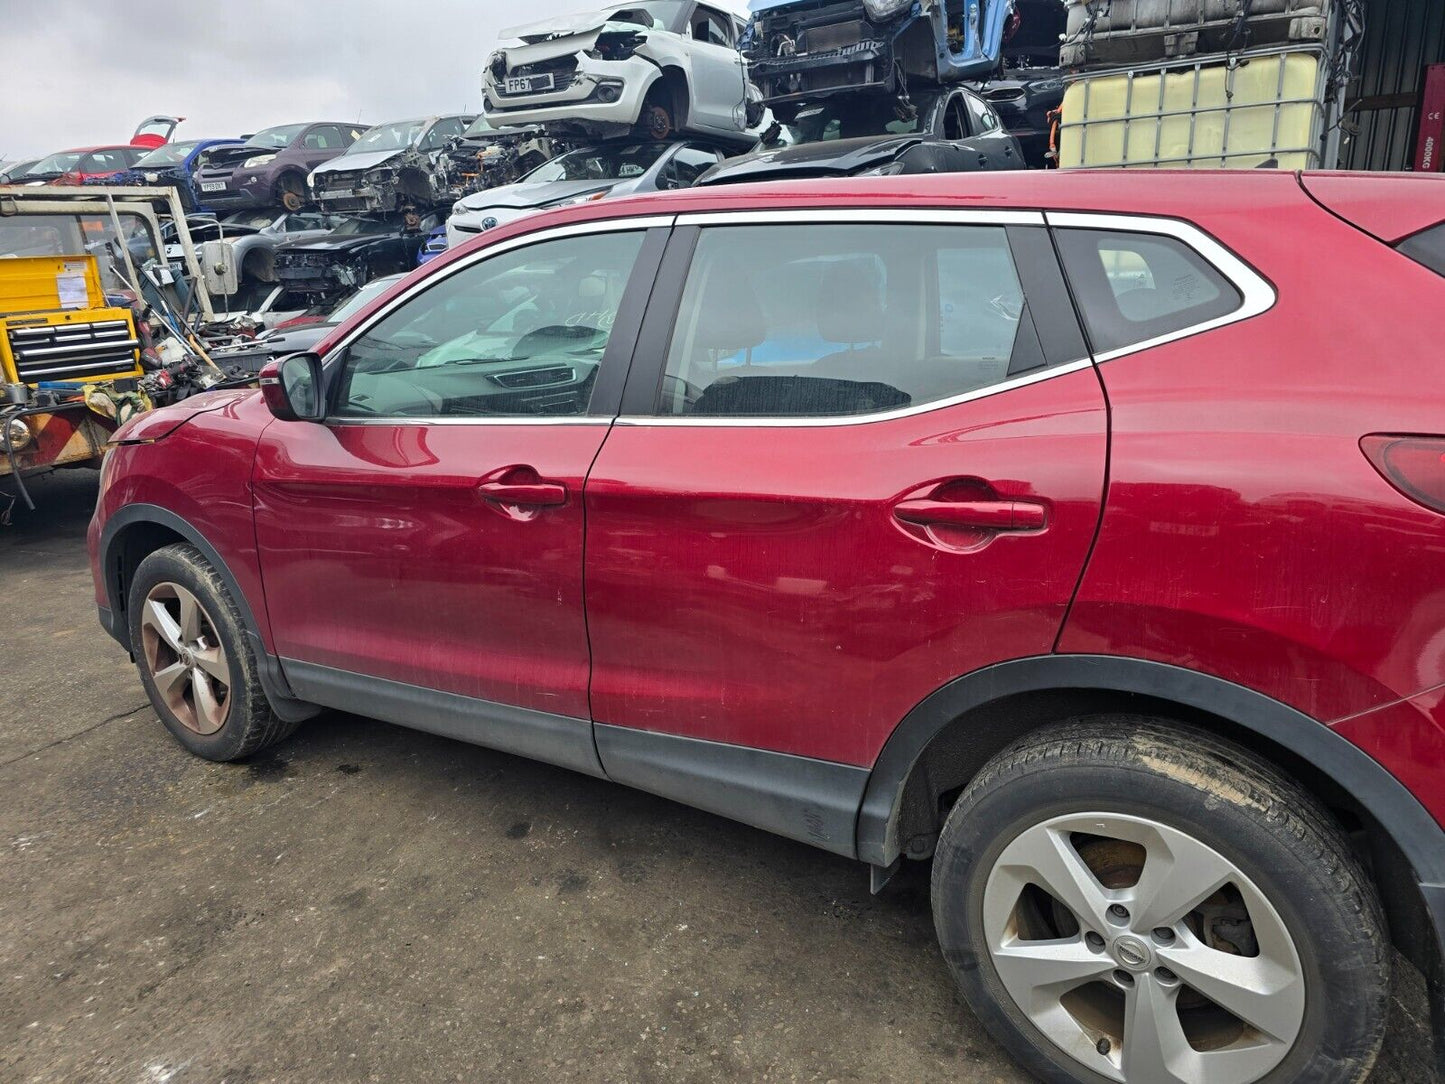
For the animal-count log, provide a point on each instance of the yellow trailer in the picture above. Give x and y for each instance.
(67, 358)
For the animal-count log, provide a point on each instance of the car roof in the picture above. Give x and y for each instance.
(1195, 195)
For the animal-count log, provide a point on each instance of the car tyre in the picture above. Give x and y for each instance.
(195, 659)
(1060, 883)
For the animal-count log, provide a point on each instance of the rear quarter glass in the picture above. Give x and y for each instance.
(1427, 247)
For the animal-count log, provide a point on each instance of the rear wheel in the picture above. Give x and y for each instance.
(1121, 900)
(195, 661)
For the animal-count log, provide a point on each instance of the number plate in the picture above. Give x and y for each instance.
(529, 84)
(213, 186)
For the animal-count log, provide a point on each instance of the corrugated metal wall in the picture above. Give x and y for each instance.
(1401, 38)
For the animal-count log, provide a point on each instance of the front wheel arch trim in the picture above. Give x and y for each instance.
(273, 679)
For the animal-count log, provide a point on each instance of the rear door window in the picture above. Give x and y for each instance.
(1135, 287)
(817, 320)
(1427, 247)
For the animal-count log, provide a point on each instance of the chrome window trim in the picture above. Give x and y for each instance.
(576, 229)
(900, 216)
(1257, 295)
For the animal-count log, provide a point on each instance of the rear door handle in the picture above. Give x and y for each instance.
(522, 486)
(986, 515)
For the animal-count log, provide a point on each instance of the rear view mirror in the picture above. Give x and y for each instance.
(291, 387)
(218, 268)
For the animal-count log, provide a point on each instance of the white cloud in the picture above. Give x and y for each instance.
(80, 72)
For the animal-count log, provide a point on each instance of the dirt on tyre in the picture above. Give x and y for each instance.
(195, 660)
(1122, 899)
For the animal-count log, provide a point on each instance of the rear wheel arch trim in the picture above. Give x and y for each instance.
(1385, 798)
(273, 679)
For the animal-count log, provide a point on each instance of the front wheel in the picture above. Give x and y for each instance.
(1123, 900)
(194, 658)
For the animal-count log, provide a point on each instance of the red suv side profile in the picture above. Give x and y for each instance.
(1082, 533)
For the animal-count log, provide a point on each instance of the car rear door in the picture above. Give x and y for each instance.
(993, 143)
(422, 548)
(861, 454)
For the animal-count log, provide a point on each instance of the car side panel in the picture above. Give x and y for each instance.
(200, 472)
(752, 586)
(1245, 534)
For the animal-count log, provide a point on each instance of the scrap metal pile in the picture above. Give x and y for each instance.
(255, 244)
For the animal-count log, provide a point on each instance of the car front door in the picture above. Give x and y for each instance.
(867, 458)
(718, 82)
(422, 548)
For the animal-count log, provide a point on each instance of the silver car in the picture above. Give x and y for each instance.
(611, 169)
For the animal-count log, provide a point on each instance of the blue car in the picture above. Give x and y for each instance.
(174, 165)
(436, 244)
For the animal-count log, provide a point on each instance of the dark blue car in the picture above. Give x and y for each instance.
(174, 165)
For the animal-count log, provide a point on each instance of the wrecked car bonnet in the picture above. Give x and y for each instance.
(834, 155)
(348, 162)
(534, 195)
(568, 25)
(165, 420)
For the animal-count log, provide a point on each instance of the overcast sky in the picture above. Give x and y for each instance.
(81, 72)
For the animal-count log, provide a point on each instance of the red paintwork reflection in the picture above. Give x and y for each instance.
(381, 557)
(1246, 534)
(751, 585)
(201, 472)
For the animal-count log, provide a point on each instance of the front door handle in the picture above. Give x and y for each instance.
(984, 515)
(522, 486)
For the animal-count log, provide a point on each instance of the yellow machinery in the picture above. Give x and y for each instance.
(67, 359)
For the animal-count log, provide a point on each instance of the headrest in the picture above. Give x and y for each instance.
(850, 303)
(731, 318)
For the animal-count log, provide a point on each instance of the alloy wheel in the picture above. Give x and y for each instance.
(1142, 952)
(189, 666)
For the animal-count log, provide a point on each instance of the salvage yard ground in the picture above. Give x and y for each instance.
(367, 903)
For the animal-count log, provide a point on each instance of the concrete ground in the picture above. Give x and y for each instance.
(364, 903)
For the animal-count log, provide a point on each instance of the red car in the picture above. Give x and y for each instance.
(1084, 533)
(81, 164)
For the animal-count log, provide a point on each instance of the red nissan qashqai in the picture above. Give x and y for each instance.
(1084, 533)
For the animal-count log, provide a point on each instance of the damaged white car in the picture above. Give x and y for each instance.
(656, 69)
(391, 167)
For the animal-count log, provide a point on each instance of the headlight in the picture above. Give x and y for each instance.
(570, 200)
(20, 434)
(258, 160)
(878, 10)
(460, 208)
(888, 169)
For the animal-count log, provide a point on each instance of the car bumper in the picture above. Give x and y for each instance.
(838, 71)
(600, 92)
(243, 189)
